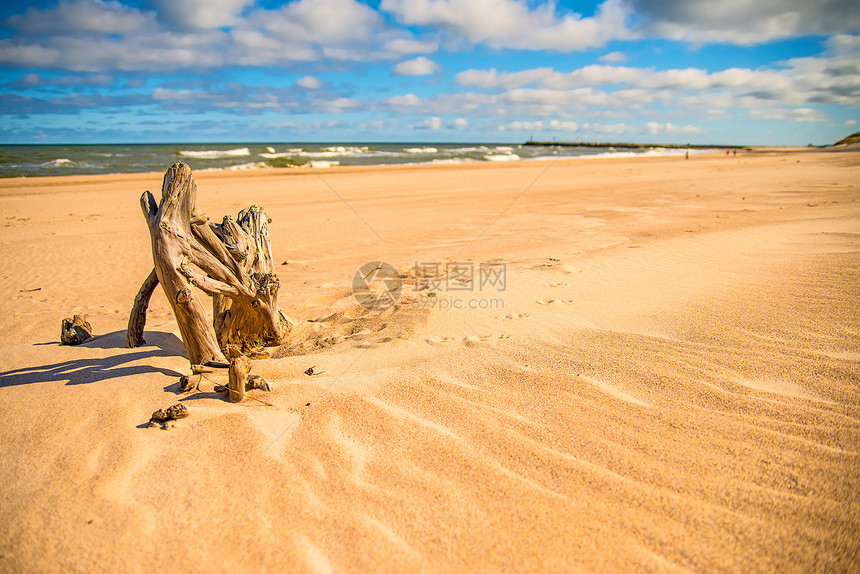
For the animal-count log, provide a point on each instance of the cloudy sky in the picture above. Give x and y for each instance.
(701, 71)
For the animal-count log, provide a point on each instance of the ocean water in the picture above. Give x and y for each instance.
(42, 160)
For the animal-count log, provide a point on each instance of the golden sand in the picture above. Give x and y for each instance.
(670, 379)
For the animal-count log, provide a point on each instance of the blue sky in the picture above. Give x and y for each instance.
(767, 72)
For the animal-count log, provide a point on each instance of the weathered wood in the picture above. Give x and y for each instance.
(231, 262)
(75, 331)
(250, 324)
(137, 317)
(237, 375)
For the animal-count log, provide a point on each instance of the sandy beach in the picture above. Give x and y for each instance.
(666, 376)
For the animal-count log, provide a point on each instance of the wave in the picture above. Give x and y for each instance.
(502, 157)
(274, 155)
(457, 150)
(215, 154)
(249, 165)
(346, 149)
(239, 156)
(333, 152)
(421, 150)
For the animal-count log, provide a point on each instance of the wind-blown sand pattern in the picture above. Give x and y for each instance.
(671, 383)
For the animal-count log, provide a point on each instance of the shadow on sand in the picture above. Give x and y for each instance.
(92, 370)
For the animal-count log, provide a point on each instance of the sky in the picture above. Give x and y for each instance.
(762, 72)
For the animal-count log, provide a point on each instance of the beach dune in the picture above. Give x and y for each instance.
(654, 366)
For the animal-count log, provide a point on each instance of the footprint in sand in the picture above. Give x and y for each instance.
(559, 284)
(440, 340)
(470, 341)
(554, 301)
(475, 340)
(512, 316)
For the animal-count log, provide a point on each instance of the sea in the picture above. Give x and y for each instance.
(49, 160)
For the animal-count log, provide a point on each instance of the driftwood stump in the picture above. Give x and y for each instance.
(237, 377)
(75, 331)
(231, 262)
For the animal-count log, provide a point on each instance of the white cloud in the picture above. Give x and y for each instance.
(174, 95)
(566, 126)
(806, 115)
(833, 77)
(198, 14)
(745, 22)
(82, 16)
(580, 97)
(614, 129)
(420, 66)
(336, 105)
(613, 57)
(98, 35)
(434, 123)
(404, 100)
(519, 126)
(514, 23)
(329, 23)
(409, 46)
(376, 125)
(86, 53)
(490, 79)
(794, 115)
(34, 80)
(309, 83)
(324, 38)
(718, 114)
(768, 114)
(850, 123)
(598, 75)
(655, 128)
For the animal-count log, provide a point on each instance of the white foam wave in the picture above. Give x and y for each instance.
(215, 154)
(346, 149)
(421, 150)
(239, 167)
(274, 155)
(502, 157)
(58, 162)
(335, 151)
(249, 165)
(456, 150)
(323, 164)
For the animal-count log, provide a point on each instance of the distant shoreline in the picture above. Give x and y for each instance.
(632, 145)
(52, 160)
